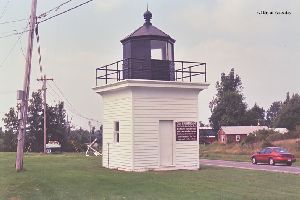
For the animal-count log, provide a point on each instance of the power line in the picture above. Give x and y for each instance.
(12, 48)
(13, 21)
(67, 100)
(74, 111)
(4, 9)
(51, 96)
(9, 32)
(21, 48)
(56, 94)
(13, 33)
(56, 8)
(62, 94)
(9, 52)
(67, 107)
(65, 11)
(25, 30)
(44, 15)
(58, 98)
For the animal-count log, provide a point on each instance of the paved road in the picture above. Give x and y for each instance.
(249, 165)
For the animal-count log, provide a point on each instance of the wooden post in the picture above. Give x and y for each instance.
(90, 125)
(45, 116)
(26, 83)
(45, 107)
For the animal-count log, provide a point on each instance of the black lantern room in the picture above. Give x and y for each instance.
(148, 53)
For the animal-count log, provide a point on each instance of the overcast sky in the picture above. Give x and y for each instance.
(262, 48)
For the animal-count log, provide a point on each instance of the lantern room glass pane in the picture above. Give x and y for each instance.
(156, 54)
(161, 50)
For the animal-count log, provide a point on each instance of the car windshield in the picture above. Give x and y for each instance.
(280, 150)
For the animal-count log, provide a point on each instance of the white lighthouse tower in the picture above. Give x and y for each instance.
(150, 104)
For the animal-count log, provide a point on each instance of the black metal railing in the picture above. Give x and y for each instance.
(133, 68)
(187, 70)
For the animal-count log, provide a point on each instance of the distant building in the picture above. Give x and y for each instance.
(280, 130)
(235, 134)
(207, 135)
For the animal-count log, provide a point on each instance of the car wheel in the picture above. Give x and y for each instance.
(289, 164)
(271, 161)
(254, 160)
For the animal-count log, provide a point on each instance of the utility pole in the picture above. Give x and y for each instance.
(25, 91)
(45, 107)
(90, 125)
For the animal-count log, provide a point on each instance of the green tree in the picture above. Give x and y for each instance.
(8, 141)
(273, 112)
(76, 140)
(35, 120)
(56, 125)
(1, 140)
(11, 122)
(289, 115)
(9, 137)
(255, 116)
(228, 107)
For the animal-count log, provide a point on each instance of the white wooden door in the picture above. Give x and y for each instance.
(166, 142)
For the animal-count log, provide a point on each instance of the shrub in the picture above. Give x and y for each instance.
(8, 142)
(263, 134)
(292, 135)
(275, 136)
(266, 144)
(258, 136)
(1, 144)
(298, 145)
(250, 139)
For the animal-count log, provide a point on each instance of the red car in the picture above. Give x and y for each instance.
(273, 155)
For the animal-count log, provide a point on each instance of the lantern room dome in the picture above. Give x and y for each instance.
(148, 31)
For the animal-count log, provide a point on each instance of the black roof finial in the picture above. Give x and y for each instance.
(147, 17)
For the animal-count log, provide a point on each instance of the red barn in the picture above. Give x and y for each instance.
(235, 134)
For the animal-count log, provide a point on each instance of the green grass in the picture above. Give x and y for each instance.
(74, 176)
(224, 156)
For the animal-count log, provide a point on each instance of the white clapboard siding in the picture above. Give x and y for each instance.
(153, 104)
(118, 107)
(139, 105)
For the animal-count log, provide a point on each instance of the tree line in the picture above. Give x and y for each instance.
(58, 128)
(228, 107)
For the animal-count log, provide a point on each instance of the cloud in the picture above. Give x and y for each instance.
(109, 5)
